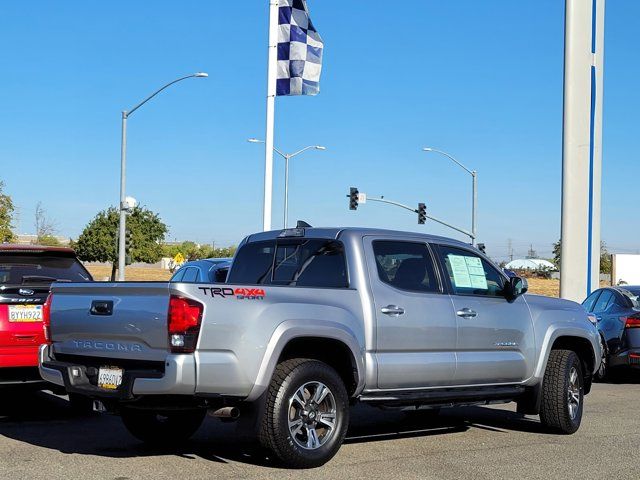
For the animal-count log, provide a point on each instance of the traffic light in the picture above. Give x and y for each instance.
(422, 213)
(353, 198)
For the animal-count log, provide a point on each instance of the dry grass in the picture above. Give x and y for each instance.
(102, 273)
(540, 286)
(544, 286)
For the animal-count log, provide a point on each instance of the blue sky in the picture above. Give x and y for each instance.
(481, 80)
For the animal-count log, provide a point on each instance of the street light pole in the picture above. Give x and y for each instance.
(123, 213)
(474, 190)
(287, 157)
(124, 208)
(286, 190)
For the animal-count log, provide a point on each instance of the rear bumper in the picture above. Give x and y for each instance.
(178, 377)
(19, 356)
(20, 376)
(628, 358)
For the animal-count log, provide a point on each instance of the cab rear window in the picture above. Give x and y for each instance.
(300, 262)
(25, 269)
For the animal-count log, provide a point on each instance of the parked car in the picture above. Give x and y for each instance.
(617, 314)
(209, 270)
(312, 320)
(26, 273)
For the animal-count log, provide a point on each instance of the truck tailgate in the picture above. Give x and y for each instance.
(114, 320)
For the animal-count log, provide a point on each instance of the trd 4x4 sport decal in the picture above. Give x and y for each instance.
(239, 293)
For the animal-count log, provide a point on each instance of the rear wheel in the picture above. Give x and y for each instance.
(562, 392)
(162, 428)
(306, 415)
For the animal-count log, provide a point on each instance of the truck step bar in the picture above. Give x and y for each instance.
(445, 395)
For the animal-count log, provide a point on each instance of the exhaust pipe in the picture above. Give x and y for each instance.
(226, 412)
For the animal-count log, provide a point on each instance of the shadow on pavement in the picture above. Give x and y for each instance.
(623, 376)
(47, 421)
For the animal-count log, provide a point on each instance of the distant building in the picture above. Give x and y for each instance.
(530, 264)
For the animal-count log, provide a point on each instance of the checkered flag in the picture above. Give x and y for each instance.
(299, 50)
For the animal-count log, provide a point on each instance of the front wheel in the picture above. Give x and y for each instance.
(162, 428)
(306, 415)
(562, 392)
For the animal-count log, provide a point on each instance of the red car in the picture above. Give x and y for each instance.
(26, 273)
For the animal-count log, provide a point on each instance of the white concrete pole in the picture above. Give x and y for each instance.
(582, 148)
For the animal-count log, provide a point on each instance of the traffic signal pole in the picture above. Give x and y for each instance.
(355, 198)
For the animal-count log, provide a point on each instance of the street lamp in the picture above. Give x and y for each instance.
(287, 157)
(474, 198)
(124, 205)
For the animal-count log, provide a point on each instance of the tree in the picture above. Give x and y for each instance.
(6, 216)
(556, 253)
(193, 251)
(45, 226)
(98, 242)
(49, 241)
(605, 257)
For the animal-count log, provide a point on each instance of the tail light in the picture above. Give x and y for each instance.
(185, 317)
(46, 319)
(632, 321)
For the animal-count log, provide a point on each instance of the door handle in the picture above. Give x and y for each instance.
(598, 318)
(467, 313)
(392, 310)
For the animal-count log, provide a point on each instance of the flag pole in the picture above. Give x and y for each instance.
(271, 100)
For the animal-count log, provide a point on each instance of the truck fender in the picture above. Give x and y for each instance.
(290, 329)
(555, 332)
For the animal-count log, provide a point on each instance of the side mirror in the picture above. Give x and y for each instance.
(515, 287)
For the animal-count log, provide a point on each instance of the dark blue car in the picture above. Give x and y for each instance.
(209, 270)
(617, 313)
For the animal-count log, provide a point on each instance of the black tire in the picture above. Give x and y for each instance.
(603, 370)
(285, 440)
(162, 428)
(562, 392)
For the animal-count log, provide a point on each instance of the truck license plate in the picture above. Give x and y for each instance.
(109, 377)
(25, 313)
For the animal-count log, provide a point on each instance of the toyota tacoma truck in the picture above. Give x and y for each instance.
(26, 273)
(311, 320)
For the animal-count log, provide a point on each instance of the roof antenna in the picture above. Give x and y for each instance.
(303, 224)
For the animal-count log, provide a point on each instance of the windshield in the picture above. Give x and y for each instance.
(24, 269)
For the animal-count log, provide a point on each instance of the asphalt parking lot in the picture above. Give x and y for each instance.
(40, 437)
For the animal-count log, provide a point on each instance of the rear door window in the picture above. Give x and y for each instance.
(405, 265)
(190, 275)
(302, 263)
(590, 301)
(178, 275)
(603, 301)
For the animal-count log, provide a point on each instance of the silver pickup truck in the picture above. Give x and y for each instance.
(310, 321)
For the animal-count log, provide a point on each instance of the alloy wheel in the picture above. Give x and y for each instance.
(573, 393)
(312, 415)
